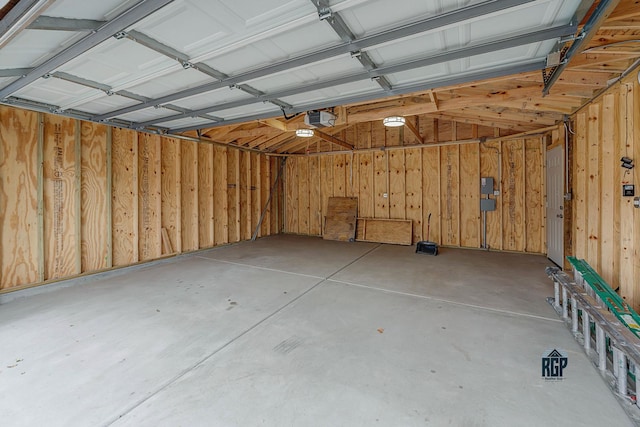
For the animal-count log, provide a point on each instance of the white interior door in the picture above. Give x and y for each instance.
(555, 205)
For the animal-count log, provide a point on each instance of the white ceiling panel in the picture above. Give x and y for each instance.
(169, 83)
(215, 97)
(148, 114)
(248, 110)
(236, 36)
(101, 10)
(106, 103)
(56, 92)
(304, 76)
(335, 92)
(32, 47)
(116, 62)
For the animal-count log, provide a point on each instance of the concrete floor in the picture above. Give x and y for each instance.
(295, 331)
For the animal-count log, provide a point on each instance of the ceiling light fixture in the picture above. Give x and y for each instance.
(304, 133)
(394, 121)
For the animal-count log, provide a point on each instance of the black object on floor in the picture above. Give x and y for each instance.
(425, 246)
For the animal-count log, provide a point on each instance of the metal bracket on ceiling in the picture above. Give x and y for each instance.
(356, 54)
(325, 13)
(120, 35)
(186, 65)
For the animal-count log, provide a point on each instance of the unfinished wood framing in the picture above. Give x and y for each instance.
(408, 183)
(81, 197)
(605, 225)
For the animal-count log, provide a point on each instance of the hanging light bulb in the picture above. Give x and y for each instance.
(393, 121)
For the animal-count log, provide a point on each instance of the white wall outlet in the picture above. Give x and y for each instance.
(496, 192)
(385, 195)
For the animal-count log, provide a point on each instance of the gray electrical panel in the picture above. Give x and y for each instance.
(487, 205)
(486, 186)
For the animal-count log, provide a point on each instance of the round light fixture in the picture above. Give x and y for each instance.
(394, 121)
(304, 133)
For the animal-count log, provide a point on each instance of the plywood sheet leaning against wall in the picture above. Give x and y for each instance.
(404, 182)
(605, 225)
(108, 197)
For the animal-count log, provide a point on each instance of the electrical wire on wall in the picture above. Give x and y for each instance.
(567, 130)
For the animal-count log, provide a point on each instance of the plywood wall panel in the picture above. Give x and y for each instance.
(594, 123)
(291, 195)
(469, 193)
(265, 191)
(220, 199)
(381, 184)
(326, 184)
(431, 194)
(580, 188)
(449, 194)
(256, 193)
(125, 197)
(608, 197)
(171, 200)
(490, 161)
(149, 197)
(413, 191)
(206, 237)
(365, 185)
(339, 175)
(513, 195)
(60, 207)
(535, 197)
(396, 184)
(95, 236)
(303, 189)
(244, 206)
(233, 194)
(315, 201)
(18, 198)
(189, 191)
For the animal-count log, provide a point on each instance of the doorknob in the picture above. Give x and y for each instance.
(560, 216)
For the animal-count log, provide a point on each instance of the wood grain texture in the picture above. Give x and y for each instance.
(59, 197)
(469, 193)
(450, 192)
(220, 198)
(413, 191)
(95, 245)
(513, 195)
(397, 184)
(125, 197)
(149, 197)
(326, 185)
(303, 189)
(205, 196)
(233, 194)
(380, 185)
(18, 198)
(490, 157)
(391, 231)
(189, 195)
(535, 197)
(171, 192)
(431, 194)
(339, 175)
(580, 196)
(315, 200)
(594, 126)
(291, 196)
(365, 184)
(256, 193)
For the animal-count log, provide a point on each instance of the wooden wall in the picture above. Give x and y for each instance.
(80, 197)
(405, 182)
(606, 226)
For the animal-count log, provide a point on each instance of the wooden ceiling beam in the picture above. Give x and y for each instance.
(414, 130)
(332, 139)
